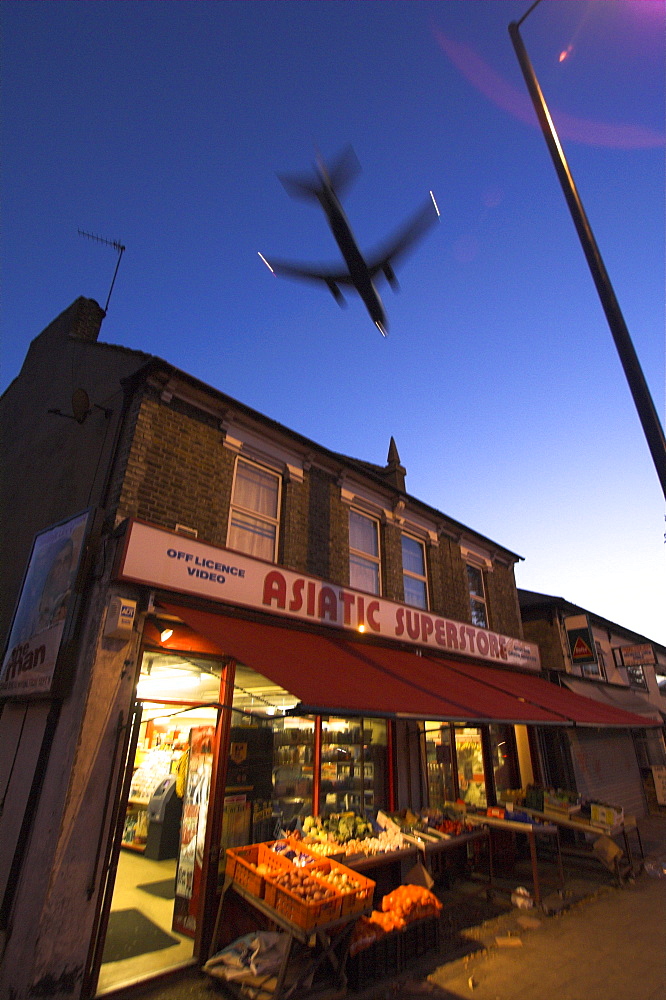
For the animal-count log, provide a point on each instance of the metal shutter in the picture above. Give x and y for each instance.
(606, 768)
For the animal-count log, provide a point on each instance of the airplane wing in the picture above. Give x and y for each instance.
(403, 241)
(307, 273)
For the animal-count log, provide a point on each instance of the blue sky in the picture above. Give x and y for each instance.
(163, 125)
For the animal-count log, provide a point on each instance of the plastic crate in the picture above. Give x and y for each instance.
(355, 899)
(304, 913)
(381, 959)
(418, 938)
(241, 866)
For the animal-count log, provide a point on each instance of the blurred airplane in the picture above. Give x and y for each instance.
(360, 273)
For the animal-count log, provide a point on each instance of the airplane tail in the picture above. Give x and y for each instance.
(337, 177)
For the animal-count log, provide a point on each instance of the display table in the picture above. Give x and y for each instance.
(437, 848)
(307, 950)
(531, 831)
(387, 870)
(580, 825)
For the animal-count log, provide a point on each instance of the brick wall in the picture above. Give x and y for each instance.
(546, 635)
(173, 469)
(450, 596)
(339, 550)
(393, 585)
(502, 600)
(294, 525)
(177, 470)
(319, 523)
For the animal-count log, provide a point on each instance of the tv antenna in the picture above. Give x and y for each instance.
(117, 246)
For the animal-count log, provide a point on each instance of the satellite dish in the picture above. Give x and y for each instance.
(80, 405)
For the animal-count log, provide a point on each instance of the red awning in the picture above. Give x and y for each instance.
(573, 707)
(335, 675)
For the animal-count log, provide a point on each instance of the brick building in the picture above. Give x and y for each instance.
(214, 628)
(605, 661)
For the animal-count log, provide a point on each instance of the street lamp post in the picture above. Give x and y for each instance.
(647, 413)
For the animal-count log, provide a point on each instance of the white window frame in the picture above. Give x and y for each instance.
(234, 507)
(422, 578)
(474, 598)
(601, 661)
(368, 557)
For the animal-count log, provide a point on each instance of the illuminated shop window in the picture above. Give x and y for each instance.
(364, 561)
(471, 771)
(414, 572)
(254, 516)
(353, 766)
(477, 596)
(439, 763)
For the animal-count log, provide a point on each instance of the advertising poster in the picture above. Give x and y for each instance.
(29, 662)
(193, 830)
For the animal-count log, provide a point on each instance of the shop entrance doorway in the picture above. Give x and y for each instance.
(156, 898)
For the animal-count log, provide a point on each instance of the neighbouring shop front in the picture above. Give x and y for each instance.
(282, 699)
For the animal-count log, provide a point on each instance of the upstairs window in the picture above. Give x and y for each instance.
(364, 561)
(601, 661)
(477, 596)
(414, 578)
(254, 515)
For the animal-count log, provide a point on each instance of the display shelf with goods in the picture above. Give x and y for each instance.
(353, 766)
(316, 904)
(154, 766)
(293, 768)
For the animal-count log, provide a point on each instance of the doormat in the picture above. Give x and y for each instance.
(130, 934)
(165, 889)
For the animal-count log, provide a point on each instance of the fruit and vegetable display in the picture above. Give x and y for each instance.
(307, 889)
(288, 850)
(384, 842)
(305, 886)
(340, 880)
(338, 827)
(348, 834)
(401, 907)
(411, 902)
(449, 827)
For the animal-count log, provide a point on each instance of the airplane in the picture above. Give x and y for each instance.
(360, 273)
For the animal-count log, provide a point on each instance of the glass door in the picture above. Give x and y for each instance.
(156, 893)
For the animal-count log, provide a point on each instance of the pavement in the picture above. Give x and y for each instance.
(602, 941)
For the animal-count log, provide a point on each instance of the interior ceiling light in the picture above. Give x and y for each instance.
(165, 634)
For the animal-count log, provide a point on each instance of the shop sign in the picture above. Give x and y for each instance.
(41, 616)
(581, 643)
(171, 562)
(636, 656)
